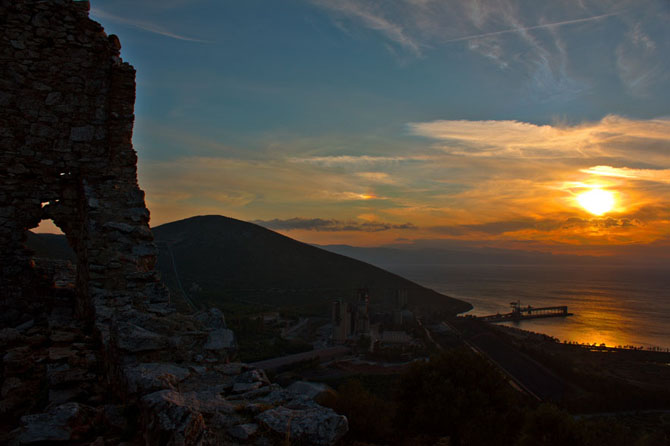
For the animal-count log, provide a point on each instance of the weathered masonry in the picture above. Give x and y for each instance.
(66, 121)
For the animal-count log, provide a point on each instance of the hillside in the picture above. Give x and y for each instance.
(50, 245)
(220, 259)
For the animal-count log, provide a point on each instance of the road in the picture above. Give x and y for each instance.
(529, 375)
(284, 361)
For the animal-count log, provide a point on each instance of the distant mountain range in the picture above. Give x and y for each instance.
(387, 256)
(215, 260)
(50, 245)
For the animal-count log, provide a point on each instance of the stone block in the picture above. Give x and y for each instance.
(83, 133)
(212, 318)
(53, 98)
(149, 377)
(221, 339)
(170, 420)
(309, 390)
(316, 425)
(64, 423)
(133, 338)
(243, 432)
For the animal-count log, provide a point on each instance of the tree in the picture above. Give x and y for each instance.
(458, 394)
(549, 426)
(370, 418)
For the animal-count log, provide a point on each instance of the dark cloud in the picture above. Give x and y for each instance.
(492, 228)
(327, 225)
(656, 212)
(601, 223)
(501, 227)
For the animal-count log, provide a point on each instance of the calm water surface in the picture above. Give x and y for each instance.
(615, 305)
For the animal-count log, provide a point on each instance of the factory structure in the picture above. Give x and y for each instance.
(351, 320)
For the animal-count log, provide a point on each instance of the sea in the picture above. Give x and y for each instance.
(615, 305)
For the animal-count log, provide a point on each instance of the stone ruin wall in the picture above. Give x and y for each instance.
(66, 108)
(66, 120)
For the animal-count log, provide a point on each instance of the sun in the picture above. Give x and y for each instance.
(596, 201)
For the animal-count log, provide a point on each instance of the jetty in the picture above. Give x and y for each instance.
(520, 313)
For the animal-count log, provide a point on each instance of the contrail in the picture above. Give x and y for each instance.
(546, 25)
(145, 26)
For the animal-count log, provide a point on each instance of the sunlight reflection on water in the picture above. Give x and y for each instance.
(614, 305)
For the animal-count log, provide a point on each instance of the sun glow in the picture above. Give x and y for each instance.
(596, 201)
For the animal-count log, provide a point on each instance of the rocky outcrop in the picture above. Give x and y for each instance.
(103, 356)
(311, 425)
(53, 391)
(64, 423)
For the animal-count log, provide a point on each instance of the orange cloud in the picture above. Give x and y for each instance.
(497, 181)
(655, 175)
(527, 140)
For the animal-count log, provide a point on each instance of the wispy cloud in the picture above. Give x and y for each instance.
(541, 52)
(365, 13)
(530, 28)
(655, 175)
(638, 61)
(193, 185)
(142, 25)
(545, 59)
(348, 196)
(356, 160)
(376, 177)
(606, 137)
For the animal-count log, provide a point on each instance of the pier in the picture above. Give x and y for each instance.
(520, 313)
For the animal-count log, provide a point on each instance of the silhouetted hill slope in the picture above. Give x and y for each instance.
(218, 258)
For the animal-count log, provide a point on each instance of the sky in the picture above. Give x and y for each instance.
(372, 122)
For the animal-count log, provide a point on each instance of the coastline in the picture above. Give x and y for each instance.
(614, 306)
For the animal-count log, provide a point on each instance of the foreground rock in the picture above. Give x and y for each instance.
(64, 423)
(313, 425)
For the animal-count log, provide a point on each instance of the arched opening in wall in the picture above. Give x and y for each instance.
(51, 253)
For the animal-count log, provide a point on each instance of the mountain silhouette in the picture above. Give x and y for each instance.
(227, 258)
